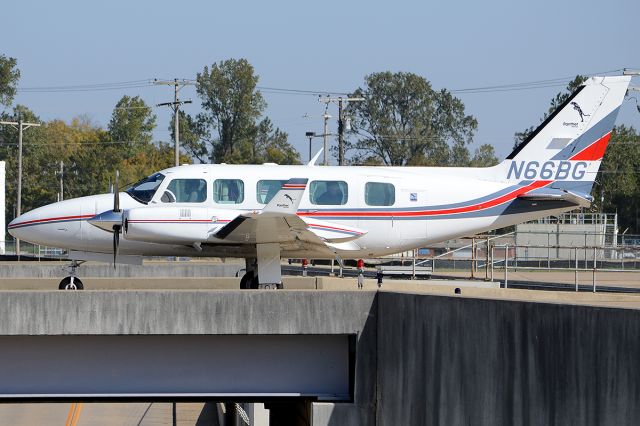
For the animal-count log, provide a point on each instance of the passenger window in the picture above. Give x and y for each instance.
(267, 189)
(379, 194)
(328, 192)
(228, 191)
(185, 191)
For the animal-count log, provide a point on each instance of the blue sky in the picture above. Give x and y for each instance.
(325, 46)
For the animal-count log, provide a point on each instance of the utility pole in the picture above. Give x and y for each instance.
(21, 126)
(61, 175)
(175, 106)
(340, 101)
(325, 136)
(340, 134)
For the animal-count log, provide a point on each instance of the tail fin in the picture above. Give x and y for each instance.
(565, 151)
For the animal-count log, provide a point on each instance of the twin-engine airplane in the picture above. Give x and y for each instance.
(267, 212)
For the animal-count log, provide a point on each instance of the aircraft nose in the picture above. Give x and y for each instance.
(19, 227)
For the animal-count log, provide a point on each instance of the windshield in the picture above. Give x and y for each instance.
(144, 190)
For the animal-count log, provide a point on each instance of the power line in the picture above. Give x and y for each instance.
(88, 87)
(552, 82)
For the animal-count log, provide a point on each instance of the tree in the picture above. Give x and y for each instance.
(484, 156)
(230, 130)
(232, 105)
(9, 75)
(38, 174)
(618, 181)
(271, 146)
(189, 136)
(132, 123)
(557, 100)
(403, 121)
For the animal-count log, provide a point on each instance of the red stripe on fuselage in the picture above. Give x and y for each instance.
(454, 210)
(51, 219)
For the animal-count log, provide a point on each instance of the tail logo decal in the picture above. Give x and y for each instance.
(577, 108)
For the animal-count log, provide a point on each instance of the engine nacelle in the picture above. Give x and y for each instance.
(172, 225)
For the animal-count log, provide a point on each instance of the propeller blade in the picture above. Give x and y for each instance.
(116, 243)
(116, 194)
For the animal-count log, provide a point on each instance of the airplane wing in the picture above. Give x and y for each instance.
(554, 194)
(279, 223)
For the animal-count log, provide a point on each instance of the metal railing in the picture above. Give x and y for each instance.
(488, 256)
(8, 248)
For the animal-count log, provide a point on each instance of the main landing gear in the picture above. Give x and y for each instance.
(263, 272)
(71, 282)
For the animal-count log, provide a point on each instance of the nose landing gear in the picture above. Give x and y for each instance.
(72, 282)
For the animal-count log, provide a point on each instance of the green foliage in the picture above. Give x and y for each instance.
(9, 76)
(403, 121)
(89, 154)
(228, 129)
(36, 158)
(189, 136)
(232, 105)
(484, 156)
(618, 181)
(557, 100)
(132, 123)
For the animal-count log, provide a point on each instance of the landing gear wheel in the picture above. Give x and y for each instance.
(71, 283)
(254, 283)
(247, 281)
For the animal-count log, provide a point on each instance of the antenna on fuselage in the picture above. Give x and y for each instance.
(312, 163)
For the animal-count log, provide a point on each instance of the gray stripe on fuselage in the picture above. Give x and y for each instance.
(420, 208)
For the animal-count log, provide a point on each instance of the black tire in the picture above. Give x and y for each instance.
(254, 283)
(245, 281)
(65, 284)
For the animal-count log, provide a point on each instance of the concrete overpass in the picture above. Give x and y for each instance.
(410, 354)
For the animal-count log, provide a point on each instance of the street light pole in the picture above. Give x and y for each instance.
(310, 135)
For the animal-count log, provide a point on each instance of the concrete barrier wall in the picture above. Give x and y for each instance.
(456, 361)
(104, 270)
(420, 359)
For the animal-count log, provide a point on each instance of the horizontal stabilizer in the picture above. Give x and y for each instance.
(332, 233)
(552, 194)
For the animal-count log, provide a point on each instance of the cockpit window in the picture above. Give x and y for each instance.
(144, 190)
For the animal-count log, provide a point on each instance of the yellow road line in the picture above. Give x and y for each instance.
(74, 414)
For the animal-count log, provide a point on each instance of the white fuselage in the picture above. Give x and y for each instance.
(429, 205)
